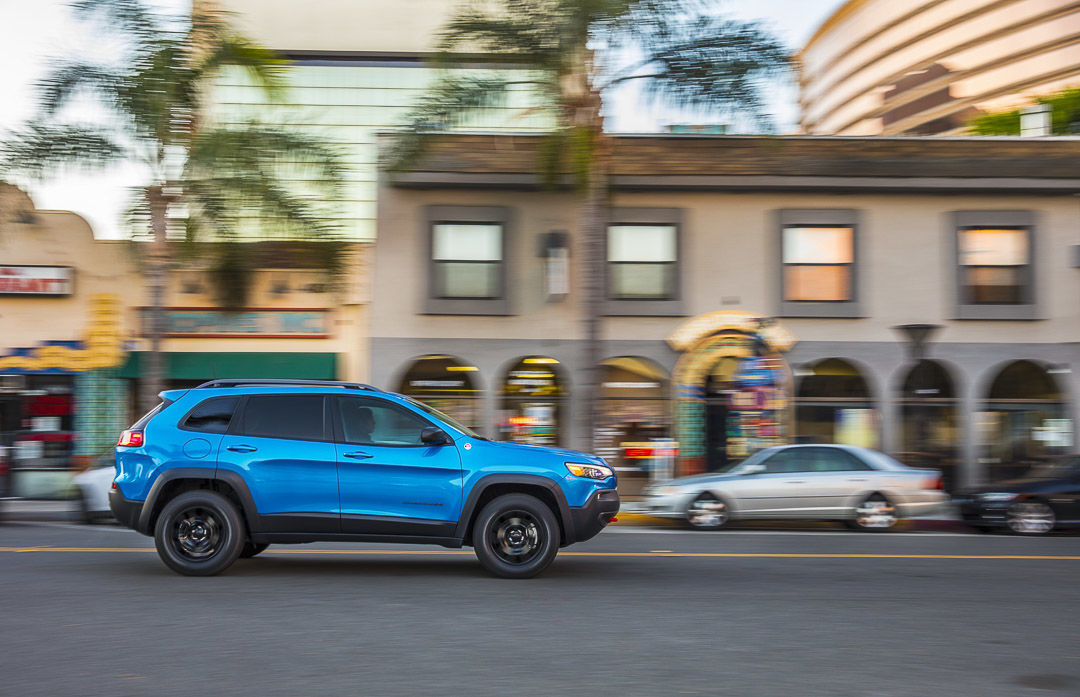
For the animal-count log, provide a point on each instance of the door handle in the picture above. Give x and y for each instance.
(857, 479)
(794, 481)
(357, 455)
(242, 448)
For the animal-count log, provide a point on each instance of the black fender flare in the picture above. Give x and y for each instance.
(233, 479)
(487, 481)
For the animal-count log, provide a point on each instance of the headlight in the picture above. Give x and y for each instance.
(664, 490)
(586, 471)
(998, 496)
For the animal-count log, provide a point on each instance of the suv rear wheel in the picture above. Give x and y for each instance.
(199, 533)
(516, 536)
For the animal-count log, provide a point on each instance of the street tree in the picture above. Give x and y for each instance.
(572, 54)
(1064, 117)
(149, 107)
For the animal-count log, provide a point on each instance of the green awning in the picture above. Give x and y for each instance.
(208, 366)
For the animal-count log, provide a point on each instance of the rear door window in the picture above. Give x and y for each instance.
(293, 416)
(212, 416)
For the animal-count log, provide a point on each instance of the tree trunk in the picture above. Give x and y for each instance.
(153, 374)
(593, 281)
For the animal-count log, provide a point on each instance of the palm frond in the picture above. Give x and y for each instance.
(68, 80)
(39, 149)
(265, 67)
(129, 16)
(450, 101)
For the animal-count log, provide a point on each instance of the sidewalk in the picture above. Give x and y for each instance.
(63, 510)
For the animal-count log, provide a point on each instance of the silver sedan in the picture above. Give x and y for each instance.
(866, 489)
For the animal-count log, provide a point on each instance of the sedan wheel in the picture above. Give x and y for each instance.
(875, 513)
(707, 512)
(1030, 518)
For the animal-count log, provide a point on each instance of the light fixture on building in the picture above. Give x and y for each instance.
(917, 335)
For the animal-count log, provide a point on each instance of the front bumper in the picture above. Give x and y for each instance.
(590, 519)
(125, 510)
(667, 506)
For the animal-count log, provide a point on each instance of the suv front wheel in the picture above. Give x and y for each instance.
(199, 533)
(516, 536)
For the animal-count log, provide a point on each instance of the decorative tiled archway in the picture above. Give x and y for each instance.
(703, 341)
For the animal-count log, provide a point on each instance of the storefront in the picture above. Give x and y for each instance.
(732, 389)
(833, 404)
(445, 383)
(533, 404)
(930, 433)
(1024, 421)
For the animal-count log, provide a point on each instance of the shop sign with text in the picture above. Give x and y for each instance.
(36, 280)
(258, 322)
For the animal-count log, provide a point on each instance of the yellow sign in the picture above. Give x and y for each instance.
(102, 346)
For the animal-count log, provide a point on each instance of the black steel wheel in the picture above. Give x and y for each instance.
(516, 536)
(199, 533)
(251, 549)
(707, 512)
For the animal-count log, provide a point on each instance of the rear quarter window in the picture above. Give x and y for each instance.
(212, 416)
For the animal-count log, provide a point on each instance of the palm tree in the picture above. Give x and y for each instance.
(573, 53)
(153, 96)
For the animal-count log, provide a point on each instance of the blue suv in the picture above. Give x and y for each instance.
(223, 470)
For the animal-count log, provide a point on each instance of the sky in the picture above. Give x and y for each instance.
(34, 31)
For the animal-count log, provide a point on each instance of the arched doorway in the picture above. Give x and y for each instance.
(732, 392)
(633, 423)
(930, 432)
(447, 384)
(833, 404)
(533, 402)
(1025, 420)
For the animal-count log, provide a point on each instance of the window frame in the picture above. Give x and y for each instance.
(673, 306)
(1028, 309)
(339, 436)
(182, 423)
(434, 304)
(819, 218)
(237, 427)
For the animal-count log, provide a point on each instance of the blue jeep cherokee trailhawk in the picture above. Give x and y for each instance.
(225, 469)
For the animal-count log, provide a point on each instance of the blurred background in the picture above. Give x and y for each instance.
(869, 237)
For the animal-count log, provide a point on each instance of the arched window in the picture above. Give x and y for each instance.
(833, 404)
(930, 434)
(533, 402)
(1024, 422)
(633, 423)
(447, 384)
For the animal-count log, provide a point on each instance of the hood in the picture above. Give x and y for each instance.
(572, 455)
(1019, 485)
(698, 479)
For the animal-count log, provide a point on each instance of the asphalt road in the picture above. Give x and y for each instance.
(86, 612)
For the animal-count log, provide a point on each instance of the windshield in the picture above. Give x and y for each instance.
(443, 417)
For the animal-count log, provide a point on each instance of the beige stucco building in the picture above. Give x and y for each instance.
(929, 66)
(755, 289)
(71, 340)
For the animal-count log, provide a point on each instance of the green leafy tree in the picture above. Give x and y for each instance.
(1064, 117)
(573, 53)
(152, 97)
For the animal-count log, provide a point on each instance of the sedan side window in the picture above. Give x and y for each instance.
(365, 421)
(786, 462)
(836, 460)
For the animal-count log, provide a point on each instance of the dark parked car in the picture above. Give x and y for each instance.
(1046, 499)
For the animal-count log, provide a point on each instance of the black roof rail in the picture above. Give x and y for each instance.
(256, 382)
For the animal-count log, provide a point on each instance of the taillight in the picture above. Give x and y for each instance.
(935, 483)
(132, 439)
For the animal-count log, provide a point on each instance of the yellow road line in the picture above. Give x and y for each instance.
(658, 553)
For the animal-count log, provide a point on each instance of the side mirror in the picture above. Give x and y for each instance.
(434, 436)
(753, 469)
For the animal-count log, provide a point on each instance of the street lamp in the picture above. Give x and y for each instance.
(917, 336)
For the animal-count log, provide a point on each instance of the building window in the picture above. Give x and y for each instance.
(994, 265)
(995, 257)
(468, 260)
(818, 264)
(468, 253)
(642, 262)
